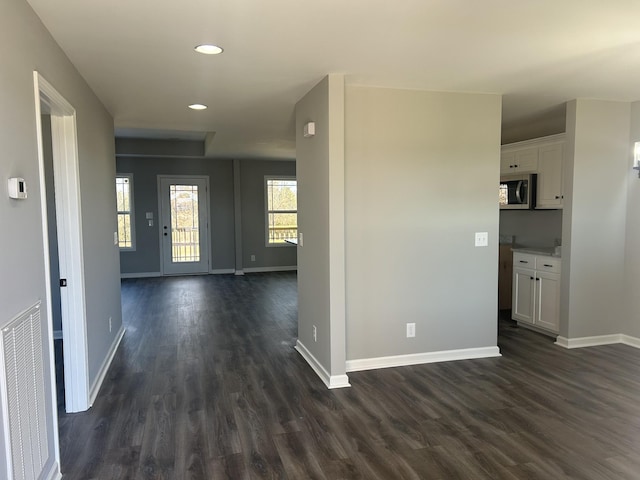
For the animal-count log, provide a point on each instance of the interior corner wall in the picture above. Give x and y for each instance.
(25, 46)
(320, 173)
(631, 319)
(252, 191)
(595, 218)
(421, 175)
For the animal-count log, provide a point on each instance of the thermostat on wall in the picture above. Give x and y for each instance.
(17, 188)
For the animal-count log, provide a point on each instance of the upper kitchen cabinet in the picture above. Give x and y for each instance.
(544, 157)
(550, 160)
(519, 161)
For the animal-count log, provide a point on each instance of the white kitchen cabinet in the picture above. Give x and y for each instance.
(536, 290)
(550, 164)
(543, 156)
(519, 161)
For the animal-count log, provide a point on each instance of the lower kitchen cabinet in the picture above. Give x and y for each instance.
(536, 290)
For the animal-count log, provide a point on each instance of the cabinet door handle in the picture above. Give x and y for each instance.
(537, 279)
(557, 197)
(524, 261)
(547, 265)
(531, 278)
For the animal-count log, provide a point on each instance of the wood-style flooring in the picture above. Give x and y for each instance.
(207, 385)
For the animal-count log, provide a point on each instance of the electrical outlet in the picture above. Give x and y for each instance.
(411, 330)
(253, 258)
(315, 334)
(300, 240)
(109, 324)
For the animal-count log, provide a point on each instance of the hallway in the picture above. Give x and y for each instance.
(207, 385)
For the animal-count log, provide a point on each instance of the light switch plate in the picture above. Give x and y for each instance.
(482, 239)
(115, 238)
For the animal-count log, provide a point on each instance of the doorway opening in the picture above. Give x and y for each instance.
(60, 204)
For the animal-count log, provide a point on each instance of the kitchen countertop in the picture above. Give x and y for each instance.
(549, 251)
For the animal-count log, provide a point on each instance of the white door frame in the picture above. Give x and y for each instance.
(161, 218)
(70, 244)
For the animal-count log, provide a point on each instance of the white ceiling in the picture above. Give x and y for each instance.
(138, 57)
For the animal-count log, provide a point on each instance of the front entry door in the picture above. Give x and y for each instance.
(184, 231)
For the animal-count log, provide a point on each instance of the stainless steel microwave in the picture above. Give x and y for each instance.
(517, 192)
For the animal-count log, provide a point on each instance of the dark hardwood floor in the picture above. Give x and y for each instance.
(206, 385)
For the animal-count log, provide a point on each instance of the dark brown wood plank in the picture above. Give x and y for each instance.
(207, 385)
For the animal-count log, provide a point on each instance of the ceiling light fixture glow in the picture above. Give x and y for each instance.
(197, 106)
(209, 49)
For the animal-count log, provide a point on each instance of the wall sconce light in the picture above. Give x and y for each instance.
(309, 129)
(636, 157)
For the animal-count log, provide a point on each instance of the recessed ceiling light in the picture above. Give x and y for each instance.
(209, 49)
(197, 106)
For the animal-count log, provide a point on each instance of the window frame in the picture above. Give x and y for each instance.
(268, 178)
(130, 212)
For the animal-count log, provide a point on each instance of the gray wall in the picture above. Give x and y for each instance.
(25, 45)
(321, 271)
(631, 319)
(421, 176)
(532, 228)
(546, 123)
(252, 173)
(146, 257)
(594, 221)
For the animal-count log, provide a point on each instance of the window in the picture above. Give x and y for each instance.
(124, 202)
(281, 209)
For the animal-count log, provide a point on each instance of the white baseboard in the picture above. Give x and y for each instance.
(141, 275)
(222, 271)
(598, 340)
(104, 368)
(419, 358)
(238, 273)
(289, 268)
(331, 381)
(629, 340)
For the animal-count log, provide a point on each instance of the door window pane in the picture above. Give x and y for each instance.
(185, 231)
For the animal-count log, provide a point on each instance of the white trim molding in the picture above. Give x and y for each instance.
(288, 268)
(53, 473)
(104, 368)
(141, 275)
(595, 341)
(420, 358)
(222, 271)
(331, 381)
(629, 340)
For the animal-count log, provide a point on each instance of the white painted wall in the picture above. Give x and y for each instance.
(25, 46)
(421, 170)
(594, 218)
(631, 321)
(320, 174)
